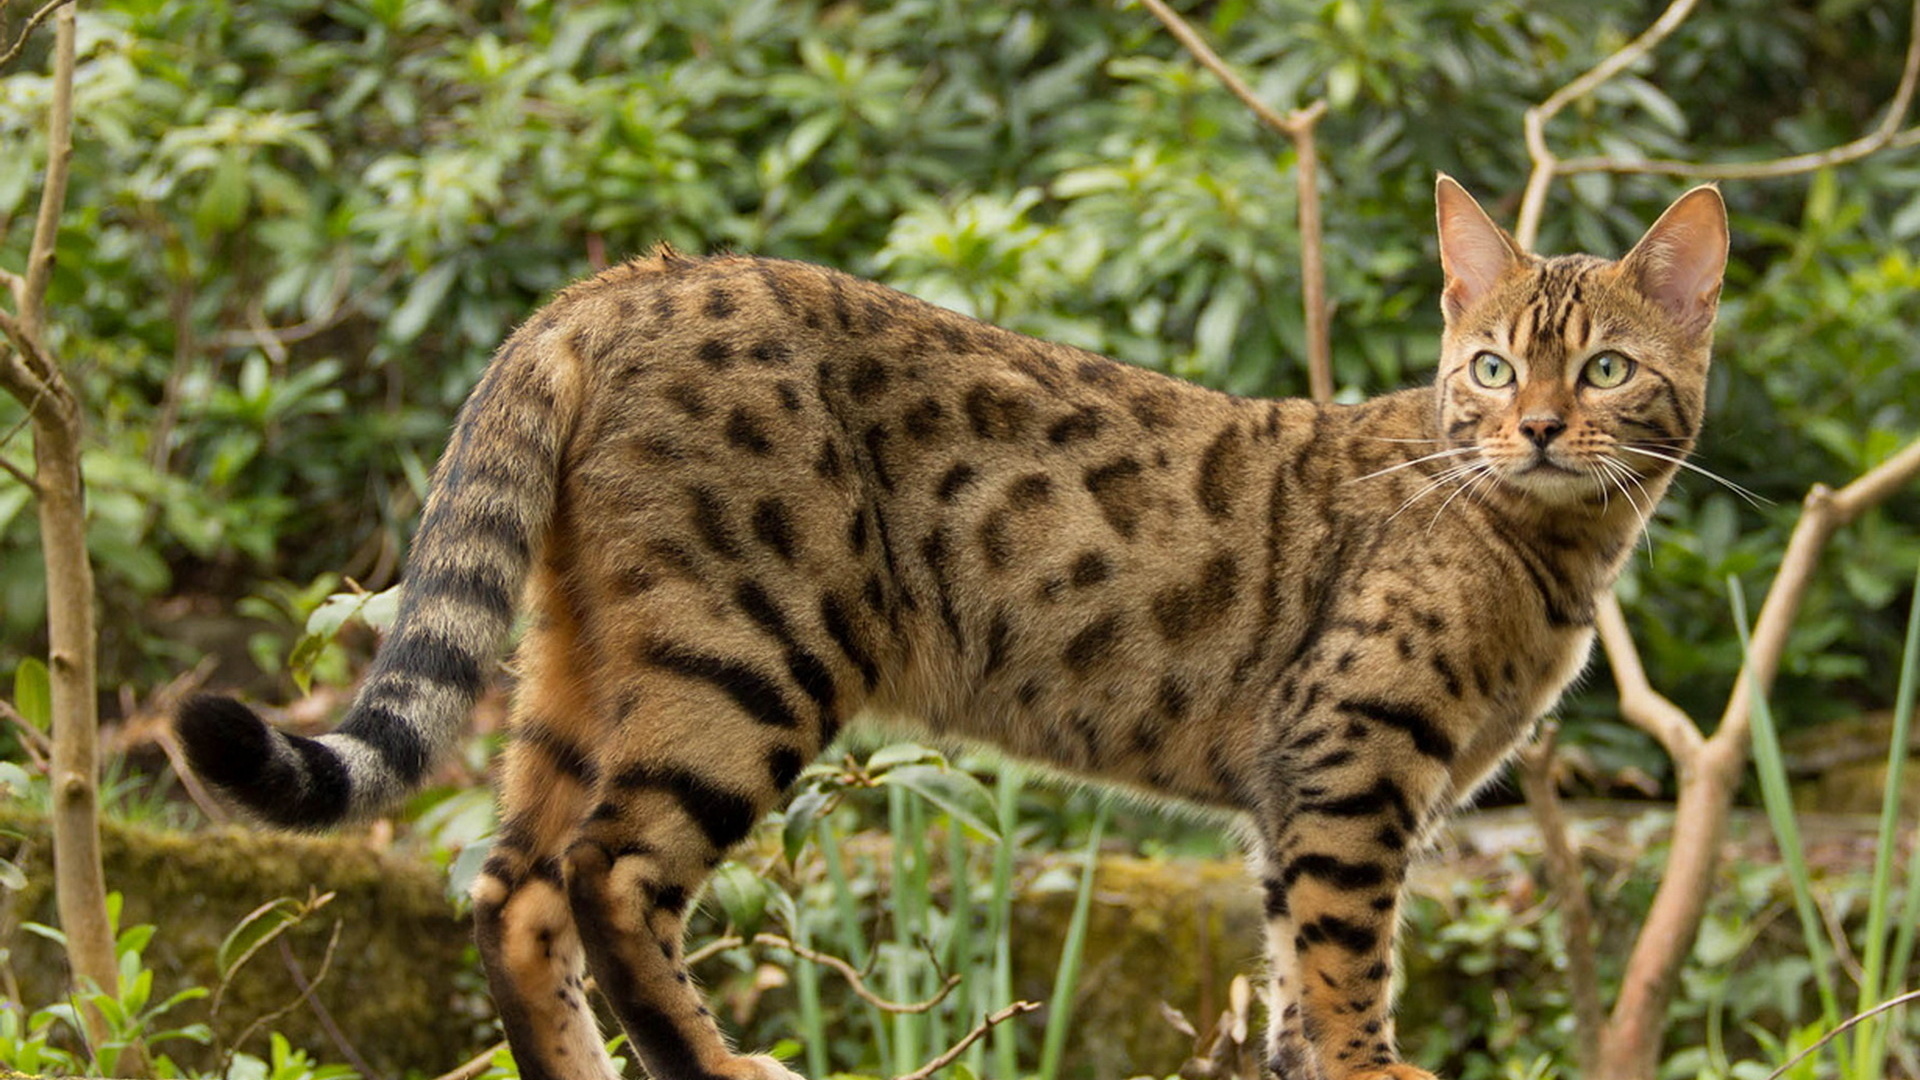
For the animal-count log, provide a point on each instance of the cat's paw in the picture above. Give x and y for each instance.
(762, 1067)
(1292, 1061)
(1392, 1072)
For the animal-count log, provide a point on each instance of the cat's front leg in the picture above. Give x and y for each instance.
(1334, 863)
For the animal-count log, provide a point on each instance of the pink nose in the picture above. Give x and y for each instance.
(1542, 430)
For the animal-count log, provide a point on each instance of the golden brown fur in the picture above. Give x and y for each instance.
(758, 500)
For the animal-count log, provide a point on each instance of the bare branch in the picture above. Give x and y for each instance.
(855, 980)
(1545, 166)
(473, 1066)
(1565, 877)
(1640, 704)
(1842, 1028)
(53, 187)
(952, 1053)
(1297, 126)
(33, 22)
(1825, 511)
(19, 475)
(1887, 134)
(1195, 44)
(32, 739)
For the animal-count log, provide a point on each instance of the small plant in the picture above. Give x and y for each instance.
(132, 1017)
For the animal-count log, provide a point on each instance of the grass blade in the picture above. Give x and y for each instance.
(1067, 977)
(1778, 799)
(1870, 1044)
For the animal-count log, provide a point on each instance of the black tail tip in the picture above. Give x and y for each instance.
(227, 744)
(301, 785)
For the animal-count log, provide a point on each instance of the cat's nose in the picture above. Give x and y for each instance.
(1542, 429)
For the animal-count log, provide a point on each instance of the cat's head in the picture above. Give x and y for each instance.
(1574, 377)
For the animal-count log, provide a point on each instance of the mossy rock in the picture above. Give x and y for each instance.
(1172, 931)
(402, 987)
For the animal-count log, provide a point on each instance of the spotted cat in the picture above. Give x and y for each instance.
(748, 501)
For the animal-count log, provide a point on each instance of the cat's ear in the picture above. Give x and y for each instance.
(1679, 262)
(1475, 253)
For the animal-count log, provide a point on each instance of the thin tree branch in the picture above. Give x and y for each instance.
(1195, 44)
(1842, 1028)
(855, 980)
(1569, 885)
(1297, 126)
(1545, 165)
(1887, 134)
(53, 188)
(1640, 704)
(19, 475)
(952, 1053)
(33, 22)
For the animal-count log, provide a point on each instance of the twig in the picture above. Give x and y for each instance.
(475, 1065)
(53, 188)
(320, 1013)
(1569, 888)
(1297, 126)
(34, 741)
(952, 1053)
(1640, 704)
(33, 22)
(1545, 166)
(855, 980)
(1842, 1028)
(326, 962)
(1887, 134)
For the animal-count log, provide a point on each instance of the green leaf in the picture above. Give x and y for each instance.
(965, 799)
(742, 896)
(33, 693)
(429, 289)
(805, 809)
(895, 754)
(11, 876)
(466, 867)
(223, 204)
(260, 926)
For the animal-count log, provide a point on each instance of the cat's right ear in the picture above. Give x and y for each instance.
(1475, 253)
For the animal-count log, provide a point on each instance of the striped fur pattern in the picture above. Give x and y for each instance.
(748, 501)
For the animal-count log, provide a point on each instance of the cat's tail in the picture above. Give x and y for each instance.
(485, 519)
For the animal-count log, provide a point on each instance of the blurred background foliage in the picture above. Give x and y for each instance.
(297, 228)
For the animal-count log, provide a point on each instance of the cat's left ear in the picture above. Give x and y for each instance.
(1678, 264)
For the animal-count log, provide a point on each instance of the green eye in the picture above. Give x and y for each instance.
(1491, 371)
(1607, 369)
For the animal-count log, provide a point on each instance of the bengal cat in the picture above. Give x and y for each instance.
(748, 501)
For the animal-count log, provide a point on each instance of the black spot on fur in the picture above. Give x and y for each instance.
(716, 354)
(709, 519)
(925, 420)
(773, 526)
(1120, 491)
(770, 353)
(747, 432)
(1081, 424)
(1223, 473)
(1185, 610)
(1033, 489)
(1094, 644)
(956, 480)
(867, 380)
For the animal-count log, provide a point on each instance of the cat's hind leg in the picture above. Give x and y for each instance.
(522, 921)
(709, 729)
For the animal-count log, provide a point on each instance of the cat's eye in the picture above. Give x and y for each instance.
(1606, 370)
(1492, 372)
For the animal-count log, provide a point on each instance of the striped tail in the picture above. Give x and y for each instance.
(487, 516)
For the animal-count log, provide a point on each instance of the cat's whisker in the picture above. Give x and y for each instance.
(1440, 480)
(1455, 452)
(1755, 500)
(1485, 472)
(1619, 471)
